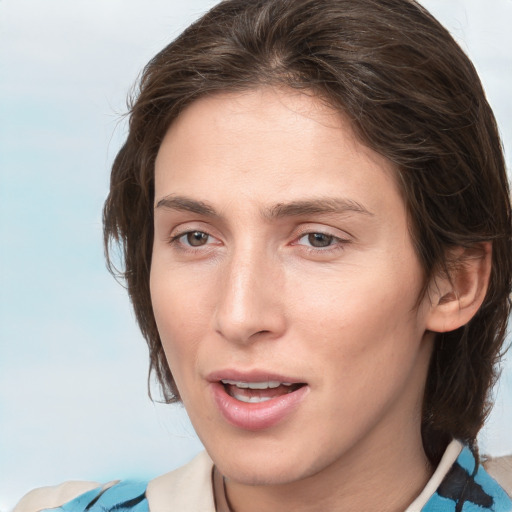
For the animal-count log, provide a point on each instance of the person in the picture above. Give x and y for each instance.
(315, 219)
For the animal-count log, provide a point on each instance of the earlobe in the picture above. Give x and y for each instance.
(455, 298)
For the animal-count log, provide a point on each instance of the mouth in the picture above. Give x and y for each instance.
(257, 392)
(256, 400)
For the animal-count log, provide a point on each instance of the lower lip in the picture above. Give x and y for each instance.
(256, 416)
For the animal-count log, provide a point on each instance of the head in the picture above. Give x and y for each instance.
(411, 96)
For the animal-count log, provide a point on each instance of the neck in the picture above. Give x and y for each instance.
(387, 478)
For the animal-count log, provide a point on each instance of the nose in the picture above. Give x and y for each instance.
(249, 305)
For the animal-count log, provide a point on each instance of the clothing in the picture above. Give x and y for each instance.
(456, 486)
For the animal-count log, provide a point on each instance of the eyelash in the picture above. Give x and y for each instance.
(337, 243)
(175, 240)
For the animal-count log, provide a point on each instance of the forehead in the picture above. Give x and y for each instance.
(270, 146)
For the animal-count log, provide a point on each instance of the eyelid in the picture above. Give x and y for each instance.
(339, 242)
(180, 231)
(188, 232)
(189, 226)
(324, 230)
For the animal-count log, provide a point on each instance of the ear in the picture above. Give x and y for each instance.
(455, 298)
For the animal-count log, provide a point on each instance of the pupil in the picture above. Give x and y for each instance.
(197, 238)
(319, 239)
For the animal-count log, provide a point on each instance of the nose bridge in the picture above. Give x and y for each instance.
(247, 302)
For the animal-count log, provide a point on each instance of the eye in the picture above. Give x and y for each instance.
(196, 238)
(192, 238)
(317, 240)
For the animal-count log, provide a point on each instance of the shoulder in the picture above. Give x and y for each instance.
(460, 481)
(126, 495)
(500, 468)
(54, 496)
(186, 489)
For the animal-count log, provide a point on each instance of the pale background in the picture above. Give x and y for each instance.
(73, 401)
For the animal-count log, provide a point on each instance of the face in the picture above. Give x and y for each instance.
(285, 286)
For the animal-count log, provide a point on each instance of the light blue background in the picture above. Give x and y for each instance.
(73, 401)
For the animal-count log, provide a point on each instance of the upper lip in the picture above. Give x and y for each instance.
(251, 376)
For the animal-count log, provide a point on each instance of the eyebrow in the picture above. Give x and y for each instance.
(185, 204)
(316, 206)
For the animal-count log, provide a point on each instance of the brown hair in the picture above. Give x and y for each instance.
(412, 95)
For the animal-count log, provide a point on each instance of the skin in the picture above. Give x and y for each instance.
(255, 294)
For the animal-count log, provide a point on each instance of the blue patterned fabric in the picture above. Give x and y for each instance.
(126, 496)
(467, 487)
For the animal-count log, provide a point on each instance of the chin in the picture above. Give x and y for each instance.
(269, 464)
(267, 474)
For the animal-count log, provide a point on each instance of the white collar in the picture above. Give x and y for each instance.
(187, 489)
(449, 457)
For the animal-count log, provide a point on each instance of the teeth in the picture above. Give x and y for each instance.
(255, 385)
(252, 399)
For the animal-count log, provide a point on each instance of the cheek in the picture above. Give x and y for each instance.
(175, 297)
(356, 299)
(169, 310)
(367, 343)
(182, 310)
(365, 321)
